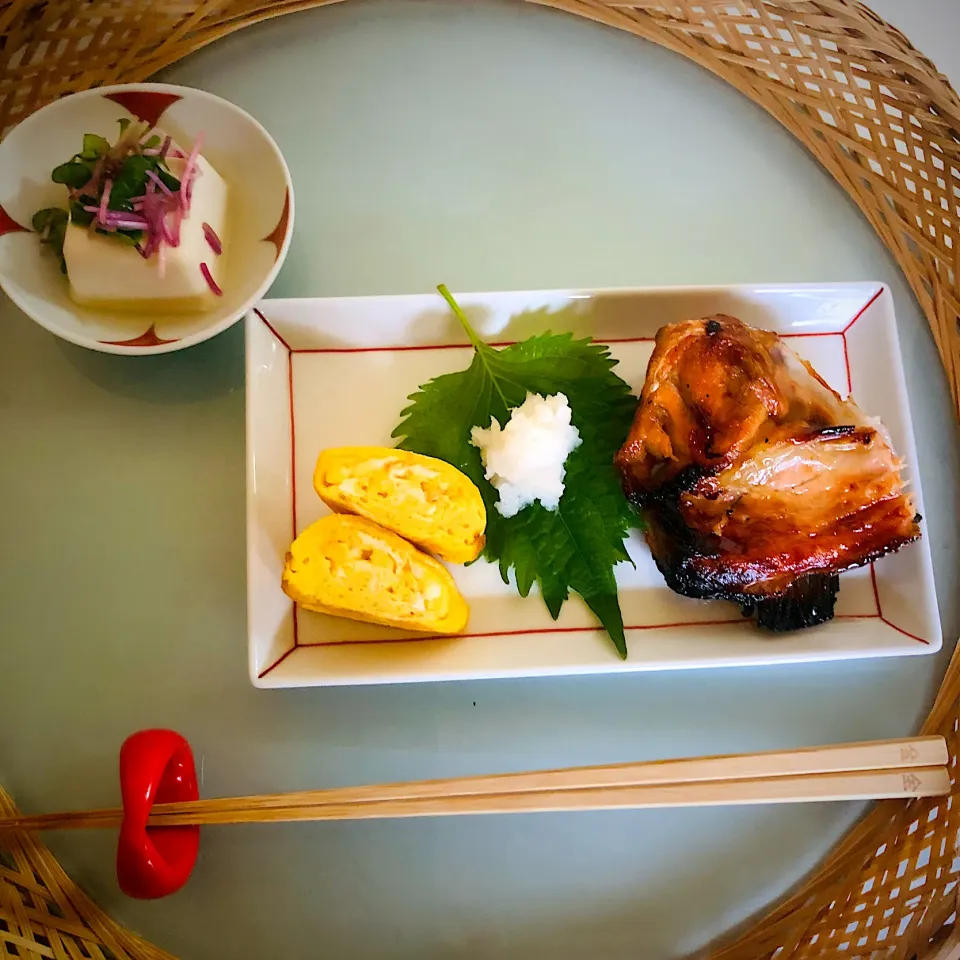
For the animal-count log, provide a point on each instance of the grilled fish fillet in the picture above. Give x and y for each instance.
(758, 482)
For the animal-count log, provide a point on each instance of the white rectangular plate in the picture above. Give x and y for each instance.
(324, 373)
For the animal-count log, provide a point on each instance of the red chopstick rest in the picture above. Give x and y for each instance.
(156, 766)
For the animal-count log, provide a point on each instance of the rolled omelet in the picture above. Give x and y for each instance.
(350, 567)
(424, 500)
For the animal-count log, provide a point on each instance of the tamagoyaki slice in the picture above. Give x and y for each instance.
(350, 567)
(422, 499)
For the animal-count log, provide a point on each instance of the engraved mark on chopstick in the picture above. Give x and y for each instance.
(909, 753)
(910, 782)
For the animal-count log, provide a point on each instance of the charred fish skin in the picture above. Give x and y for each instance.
(759, 483)
(677, 551)
(808, 603)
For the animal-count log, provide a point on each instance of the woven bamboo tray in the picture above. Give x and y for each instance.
(877, 114)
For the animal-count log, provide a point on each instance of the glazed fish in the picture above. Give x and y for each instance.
(759, 484)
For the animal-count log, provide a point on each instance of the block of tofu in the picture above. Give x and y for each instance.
(103, 272)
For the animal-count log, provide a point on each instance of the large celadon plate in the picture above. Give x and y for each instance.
(330, 372)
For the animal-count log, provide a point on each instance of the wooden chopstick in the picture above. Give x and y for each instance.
(803, 775)
(823, 787)
(862, 785)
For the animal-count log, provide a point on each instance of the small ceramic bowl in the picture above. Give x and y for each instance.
(260, 211)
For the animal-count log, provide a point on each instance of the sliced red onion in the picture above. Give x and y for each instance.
(166, 232)
(153, 211)
(177, 216)
(92, 186)
(139, 248)
(211, 236)
(105, 199)
(114, 216)
(129, 223)
(197, 173)
(211, 283)
(189, 169)
(163, 187)
(164, 147)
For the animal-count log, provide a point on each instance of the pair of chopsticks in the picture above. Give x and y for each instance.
(914, 767)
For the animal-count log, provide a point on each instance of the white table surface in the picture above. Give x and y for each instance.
(486, 145)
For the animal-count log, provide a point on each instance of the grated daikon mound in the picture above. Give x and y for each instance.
(525, 459)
